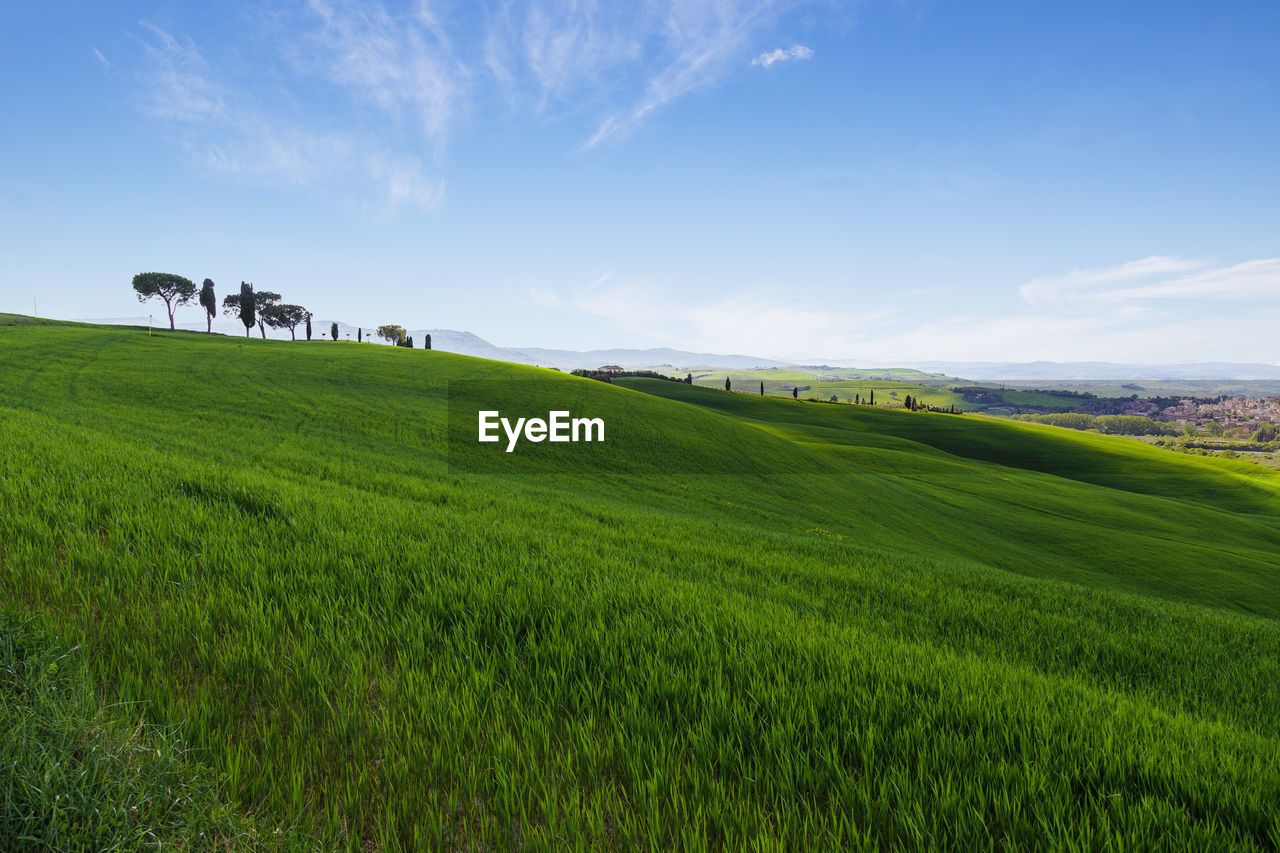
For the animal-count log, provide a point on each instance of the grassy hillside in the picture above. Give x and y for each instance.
(789, 625)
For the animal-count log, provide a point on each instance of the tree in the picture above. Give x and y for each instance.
(795, 393)
(857, 398)
(242, 306)
(173, 289)
(872, 399)
(359, 334)
(688, 380)
(392, 334)
(308, 325)
(761, 389)
(727, 385)
(283, 316)
(209, 303)
(426, 344)
(408, 342)
(333, 330)
(263, 300)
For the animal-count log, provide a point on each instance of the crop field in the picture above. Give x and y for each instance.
(887, 393)
(1151, 387)
(713, 377)
(801, 626)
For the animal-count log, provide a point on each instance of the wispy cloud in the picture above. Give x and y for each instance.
(403, 65)
(699, 44)
(767, 60)
(102, 60)
(233, 128)
(761, 321)
(177, 84)
(1118, 313)
(1158, 278)
(1084, 284)
(628, 60)
(1258, 279)
(406, 79)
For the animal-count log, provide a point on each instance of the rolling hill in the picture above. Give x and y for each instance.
(739, 622)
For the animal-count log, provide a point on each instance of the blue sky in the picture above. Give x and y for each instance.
(866, 182)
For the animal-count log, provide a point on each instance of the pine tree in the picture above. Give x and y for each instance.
(173, 290)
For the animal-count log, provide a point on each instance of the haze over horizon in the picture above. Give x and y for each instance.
(881, 182)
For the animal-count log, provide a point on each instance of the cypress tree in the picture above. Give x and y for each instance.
(426, 344)
(727, 385)
(247, 315)
(333, 330)
(688, 380)
(308, 325)
(209, 303)
(761, 389)
(359, 334)
(872, 398)
(409, 342)
(795, 393)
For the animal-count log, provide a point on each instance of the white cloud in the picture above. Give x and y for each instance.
(1258, 279)
(623, 60)
(1158, 278)
(1086, 283)
(176, 80)
(763, 322)
(767, 60)
(102, 60)
(231, 127)
(403, 65)
(412, 75)
(1080, 316)
(701, 40)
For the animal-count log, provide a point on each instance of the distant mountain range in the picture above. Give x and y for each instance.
(466, 343)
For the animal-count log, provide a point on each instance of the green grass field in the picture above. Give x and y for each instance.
(1152, 387)
(887, 393)
(793, 626)
(714, 377)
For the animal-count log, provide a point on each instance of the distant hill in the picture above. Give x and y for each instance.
(986, 370)
(466, 343)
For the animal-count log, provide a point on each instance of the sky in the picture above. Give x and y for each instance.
(859, 182)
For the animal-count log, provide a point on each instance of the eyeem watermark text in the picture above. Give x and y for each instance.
(557, 427)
